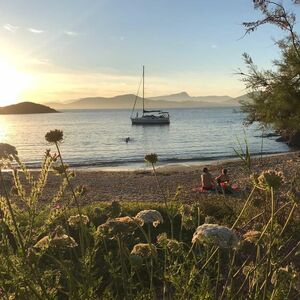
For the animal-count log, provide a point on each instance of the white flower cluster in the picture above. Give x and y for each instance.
(75, 221)
(58, 239)
(213, 234)
(149, 216)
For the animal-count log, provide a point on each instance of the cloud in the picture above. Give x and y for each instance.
(36, 31)
(10, 27)
(213, 46)
(71, 33)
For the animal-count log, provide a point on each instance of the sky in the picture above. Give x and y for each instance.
(60, 50)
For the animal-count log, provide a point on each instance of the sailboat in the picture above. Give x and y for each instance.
(149, 117)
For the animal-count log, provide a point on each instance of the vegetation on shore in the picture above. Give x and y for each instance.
(26, 108)
(218, 248)
(275, 93)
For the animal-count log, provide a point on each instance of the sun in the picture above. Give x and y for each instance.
(13, 83)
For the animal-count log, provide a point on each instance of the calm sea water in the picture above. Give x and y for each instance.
(96, 138)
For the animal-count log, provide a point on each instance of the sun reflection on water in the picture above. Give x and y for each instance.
(3, 129)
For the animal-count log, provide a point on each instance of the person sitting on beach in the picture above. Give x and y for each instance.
(223, 181)
(207, 181)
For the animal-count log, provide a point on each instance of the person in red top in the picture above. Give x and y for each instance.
(224, 181)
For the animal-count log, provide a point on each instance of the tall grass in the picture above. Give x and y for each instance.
(60, 249)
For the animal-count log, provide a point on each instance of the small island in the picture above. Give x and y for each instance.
(26, 108)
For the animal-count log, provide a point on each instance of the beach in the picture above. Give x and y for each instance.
(141, 185)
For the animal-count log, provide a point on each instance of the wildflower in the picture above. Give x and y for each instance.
(7, 152)
(74, 221)
(151, 158)
(54, 136)
(150, 216)
(58, 239)
(173, 246)
(57, 206)
(252, 236)
(213, 234)
(118, 226)
(144, 250)
(270, 179)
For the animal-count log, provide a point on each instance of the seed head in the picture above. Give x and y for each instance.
(118, 226)
(57, 239)
(7, 152)
(151, 158)
(268, 179)
(74, 221)
(54, 136)
(144, 250)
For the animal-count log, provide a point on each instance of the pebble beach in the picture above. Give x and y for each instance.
(141, 185)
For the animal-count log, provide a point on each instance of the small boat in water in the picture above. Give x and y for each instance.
(149, 117)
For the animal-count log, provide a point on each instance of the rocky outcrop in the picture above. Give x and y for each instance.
(291, 137)
(26, 108)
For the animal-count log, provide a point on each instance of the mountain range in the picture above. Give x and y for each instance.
(178, 100)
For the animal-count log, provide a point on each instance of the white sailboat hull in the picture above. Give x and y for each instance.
(150, 120)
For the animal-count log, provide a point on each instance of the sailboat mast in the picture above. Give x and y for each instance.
(143, 89)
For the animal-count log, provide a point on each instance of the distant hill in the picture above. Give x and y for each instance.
(184, 96)
(179, 100)
(26, 108)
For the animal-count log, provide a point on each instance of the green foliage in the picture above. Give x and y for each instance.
(275, 93)
(61, 250)
(244, 154)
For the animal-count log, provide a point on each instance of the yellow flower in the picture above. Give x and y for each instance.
(54, 136)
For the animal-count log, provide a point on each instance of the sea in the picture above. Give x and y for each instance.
(97, 138)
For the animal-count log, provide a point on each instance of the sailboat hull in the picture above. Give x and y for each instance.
(150, 120)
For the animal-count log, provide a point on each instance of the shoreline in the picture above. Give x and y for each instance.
(140, 185)
(144, 166)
